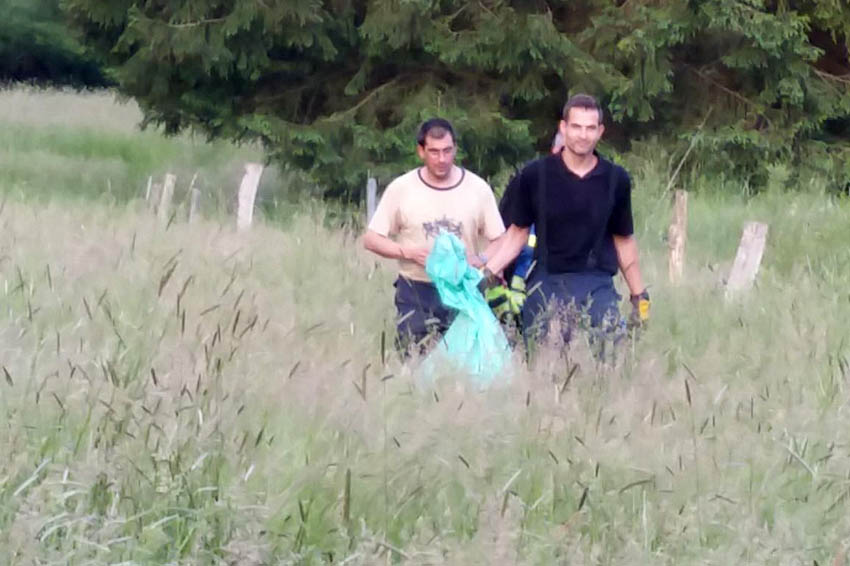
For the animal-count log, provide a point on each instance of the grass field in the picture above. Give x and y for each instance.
(191, 395)
(56, 144)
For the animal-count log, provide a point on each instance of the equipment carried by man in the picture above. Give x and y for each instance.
(507, 298)
(474, 341)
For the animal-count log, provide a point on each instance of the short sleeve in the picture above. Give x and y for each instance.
(522, 211)
(385, 219)
(506, 205)
(491, 225)
(621, 222)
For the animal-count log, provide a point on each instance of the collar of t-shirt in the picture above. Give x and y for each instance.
(601, 167)
(430, 186)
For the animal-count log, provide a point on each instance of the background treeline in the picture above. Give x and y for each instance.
(37, 46)
(758, 89)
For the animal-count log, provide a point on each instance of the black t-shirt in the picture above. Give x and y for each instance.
(508, 200)
(577, 209)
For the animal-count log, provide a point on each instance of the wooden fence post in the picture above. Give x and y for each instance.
(194, 204)
(165, 197)
(371, 198)
(247, 195)
(153, 199)
(677, 236)
(748, 259)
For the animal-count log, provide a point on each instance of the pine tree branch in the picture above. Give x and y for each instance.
(374, 92)
(724, 88)
(458, 12)
(843, 79)
(691, 146)
(196, 24)
(485, 8)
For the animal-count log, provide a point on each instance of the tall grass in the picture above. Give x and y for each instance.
(56, 144)
(190, 395)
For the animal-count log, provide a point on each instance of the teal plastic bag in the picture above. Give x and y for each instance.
(475, 342)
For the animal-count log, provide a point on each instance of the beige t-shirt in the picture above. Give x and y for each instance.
(414, 213)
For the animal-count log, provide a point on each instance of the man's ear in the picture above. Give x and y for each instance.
(601, 130)
(420, 151)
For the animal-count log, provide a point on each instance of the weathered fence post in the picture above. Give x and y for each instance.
(748, 259)
(153, 198)
(371, 198)
(677, 236)
(247, 195)
(165, 197)
(194, 204)
(148, 191)
(193, 195)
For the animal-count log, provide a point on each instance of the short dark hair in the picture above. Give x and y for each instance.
(581, 101)
(436, 128)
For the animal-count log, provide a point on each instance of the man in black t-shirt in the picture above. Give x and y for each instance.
(580, 204)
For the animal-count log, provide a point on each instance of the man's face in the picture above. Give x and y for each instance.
(581, 130)
(438, 155)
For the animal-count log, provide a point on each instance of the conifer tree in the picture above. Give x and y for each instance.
(337, 87)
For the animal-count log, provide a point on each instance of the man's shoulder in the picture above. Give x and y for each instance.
(411, 178)
(535, 165)
(531, 170)
(476, 182)
(615, 169)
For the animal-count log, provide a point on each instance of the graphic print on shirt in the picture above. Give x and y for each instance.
(433, 229)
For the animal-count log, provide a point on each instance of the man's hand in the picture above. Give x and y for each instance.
(488, 281)
(475, 260)
(506, 302)
(640, 309)
(509, 245)
(415, 254)
(496, 293)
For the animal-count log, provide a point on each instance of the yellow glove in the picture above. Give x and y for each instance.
(640, 309)
(499, 300)
(517, 294)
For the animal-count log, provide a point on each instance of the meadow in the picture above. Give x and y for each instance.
(188, 394)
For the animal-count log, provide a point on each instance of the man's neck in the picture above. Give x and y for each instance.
(580, 165)
(446, 182)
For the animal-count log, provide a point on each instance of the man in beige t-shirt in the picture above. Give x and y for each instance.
(414, 209)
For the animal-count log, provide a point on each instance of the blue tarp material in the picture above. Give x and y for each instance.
(474, 342)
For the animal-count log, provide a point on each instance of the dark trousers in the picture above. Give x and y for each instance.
(421, 313)
(577, 300)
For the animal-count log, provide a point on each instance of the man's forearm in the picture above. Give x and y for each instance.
(514, 239)
(627, 257)
(383, 246)
(494, 246)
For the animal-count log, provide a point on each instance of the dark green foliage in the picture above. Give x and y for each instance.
(337, 87)
(35, 46)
